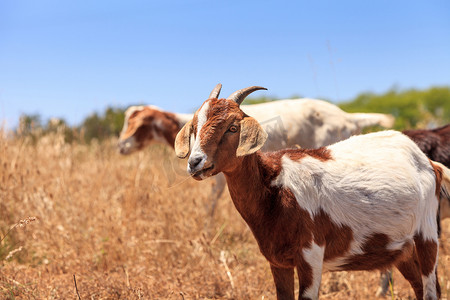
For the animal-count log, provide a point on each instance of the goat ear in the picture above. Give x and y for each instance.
(182, 141)
(252, 137)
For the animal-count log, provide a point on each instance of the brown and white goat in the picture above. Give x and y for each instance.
(366, 203)
(144, 125)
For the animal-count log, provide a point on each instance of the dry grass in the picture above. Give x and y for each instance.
(130, 228)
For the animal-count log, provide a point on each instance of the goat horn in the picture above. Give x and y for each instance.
(216, 91)
(240, 95)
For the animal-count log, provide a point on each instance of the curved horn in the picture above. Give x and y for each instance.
(240, 95)
(216, 91)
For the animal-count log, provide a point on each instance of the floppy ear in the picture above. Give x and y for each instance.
(130, 130)
(182, 141)
(252, 137)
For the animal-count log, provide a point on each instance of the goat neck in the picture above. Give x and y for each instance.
(249, 184)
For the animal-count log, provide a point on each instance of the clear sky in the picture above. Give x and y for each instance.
(70, 58)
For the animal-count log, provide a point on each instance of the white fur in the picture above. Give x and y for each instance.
(310, 123)
(314, 257)
(429, 284)
(197, 151)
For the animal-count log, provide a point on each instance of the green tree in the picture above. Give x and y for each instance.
(411, 108)
(103, 126)
(29, 124)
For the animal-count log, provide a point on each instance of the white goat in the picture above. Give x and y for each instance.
(369, 202)
(307, 123)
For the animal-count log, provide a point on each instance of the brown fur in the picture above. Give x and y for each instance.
(410, 269)
(376, 255)
(336, 238)
(427, 252)
(269, 211)
(284, 282)
(435, 143)
(141, 125)
(322, 154)
(304, 271)
(216, 122)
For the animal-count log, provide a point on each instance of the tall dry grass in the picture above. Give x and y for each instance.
(134, 228)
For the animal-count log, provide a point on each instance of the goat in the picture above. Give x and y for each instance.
(144, 125)
(366, 203)
(435, 143)
(308, 123)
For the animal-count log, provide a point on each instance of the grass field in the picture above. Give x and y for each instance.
(136, 227)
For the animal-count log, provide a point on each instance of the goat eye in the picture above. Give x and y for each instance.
(233, 128)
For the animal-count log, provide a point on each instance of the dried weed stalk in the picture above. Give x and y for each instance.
(21, 224)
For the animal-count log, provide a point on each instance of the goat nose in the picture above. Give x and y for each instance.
(194, 161)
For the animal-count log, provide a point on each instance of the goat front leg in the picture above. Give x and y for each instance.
(284, 282)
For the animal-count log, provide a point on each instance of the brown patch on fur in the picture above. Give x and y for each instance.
(438, 173)
(376, 255)
(283, 230)
(427, 254)
(322, 154)
(273, 159)
(336, 238)
(142, 125)
(410, 269)
(427, 251)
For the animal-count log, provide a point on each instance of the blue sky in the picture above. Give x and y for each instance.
(71, 58)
